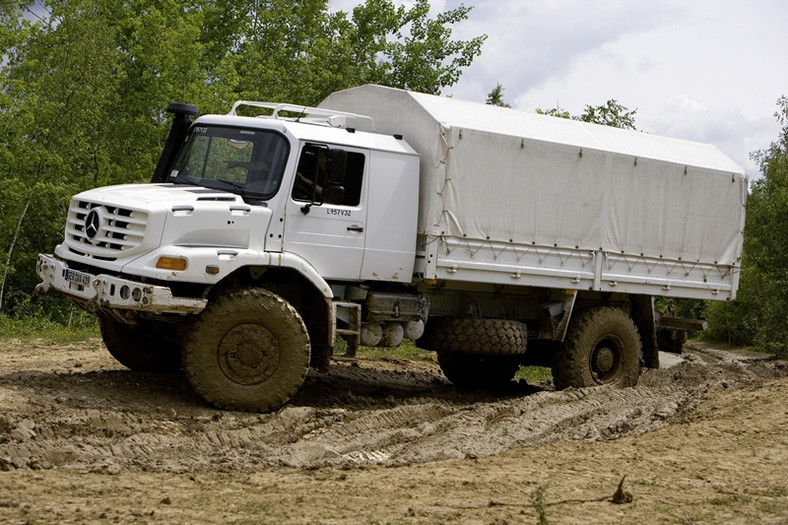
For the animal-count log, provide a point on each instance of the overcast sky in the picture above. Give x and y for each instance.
(703, 70)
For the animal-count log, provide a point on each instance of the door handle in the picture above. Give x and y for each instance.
(355, 228)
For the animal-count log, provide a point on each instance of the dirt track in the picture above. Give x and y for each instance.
(83, 440)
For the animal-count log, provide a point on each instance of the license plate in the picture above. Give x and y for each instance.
(77, 277)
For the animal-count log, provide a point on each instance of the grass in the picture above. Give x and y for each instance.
(534, 374)
(406, 350)
(81, 326)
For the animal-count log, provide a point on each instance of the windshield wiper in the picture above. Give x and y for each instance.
(187, 180)
(239, 188)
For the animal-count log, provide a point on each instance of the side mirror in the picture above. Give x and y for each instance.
(334, 195)
(336, 166)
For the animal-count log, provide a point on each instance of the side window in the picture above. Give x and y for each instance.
(329, 176)
(311, 174)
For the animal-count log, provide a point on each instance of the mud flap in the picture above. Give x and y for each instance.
(642, 307)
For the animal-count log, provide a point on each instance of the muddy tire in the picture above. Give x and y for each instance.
(478, 370)
(602, 347)
(147, 346)
(248, 350)
(475, 336)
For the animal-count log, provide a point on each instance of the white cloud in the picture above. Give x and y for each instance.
(706, 70)
(703, 70)
(728, 128)
(533, 43)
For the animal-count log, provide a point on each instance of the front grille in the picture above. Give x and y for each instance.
(103, 232)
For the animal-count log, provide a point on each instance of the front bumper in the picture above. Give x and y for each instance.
(105, 292)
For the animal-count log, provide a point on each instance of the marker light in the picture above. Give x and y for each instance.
(172, 263)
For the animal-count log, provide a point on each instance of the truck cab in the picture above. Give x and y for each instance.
(306, 205)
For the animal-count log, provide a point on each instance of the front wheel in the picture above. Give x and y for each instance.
(602, 347)
(248, 350)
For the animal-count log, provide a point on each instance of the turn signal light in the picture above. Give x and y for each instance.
(172, 263)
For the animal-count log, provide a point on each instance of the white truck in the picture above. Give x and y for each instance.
(492, 236)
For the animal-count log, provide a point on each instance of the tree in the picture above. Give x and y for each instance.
(301, 52)
(609, 114)
(422, 55)
(763, 295)
(495, 97)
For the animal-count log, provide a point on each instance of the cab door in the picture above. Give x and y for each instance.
(326, 213)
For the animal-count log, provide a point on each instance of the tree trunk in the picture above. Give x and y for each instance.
(11, 252)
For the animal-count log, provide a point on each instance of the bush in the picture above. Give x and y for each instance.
(731, 323)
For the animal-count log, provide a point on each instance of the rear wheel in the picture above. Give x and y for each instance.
(602, 347)
(248, 350)
(148, 346)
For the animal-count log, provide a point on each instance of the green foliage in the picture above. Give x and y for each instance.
(554, 112)
(301, 52)
(83, 85)
(731, 323)
(495, 97)
(610, 114)
(427, 59)
(758, 317)
(690, 308)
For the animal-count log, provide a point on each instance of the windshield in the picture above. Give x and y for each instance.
(247, 162)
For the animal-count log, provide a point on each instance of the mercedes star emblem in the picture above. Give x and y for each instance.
(92, 223)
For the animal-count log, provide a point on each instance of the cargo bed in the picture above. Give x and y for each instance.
(509, 197)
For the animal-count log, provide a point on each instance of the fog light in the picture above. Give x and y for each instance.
(172, 263)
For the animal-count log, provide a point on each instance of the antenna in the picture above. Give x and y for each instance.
(303, 112)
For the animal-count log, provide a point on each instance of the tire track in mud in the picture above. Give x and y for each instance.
(433, 431)
(359, 413)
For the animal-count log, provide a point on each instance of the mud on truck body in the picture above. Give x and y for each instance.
(494, 237)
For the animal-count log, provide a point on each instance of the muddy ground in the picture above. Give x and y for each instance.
(83, 440)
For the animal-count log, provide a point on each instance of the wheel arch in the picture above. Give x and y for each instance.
(307, 292)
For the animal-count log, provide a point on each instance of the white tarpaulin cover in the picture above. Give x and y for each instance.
(498, 175)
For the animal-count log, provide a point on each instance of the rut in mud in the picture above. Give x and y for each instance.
(76, 408)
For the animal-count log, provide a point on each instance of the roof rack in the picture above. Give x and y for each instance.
(337, 119)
